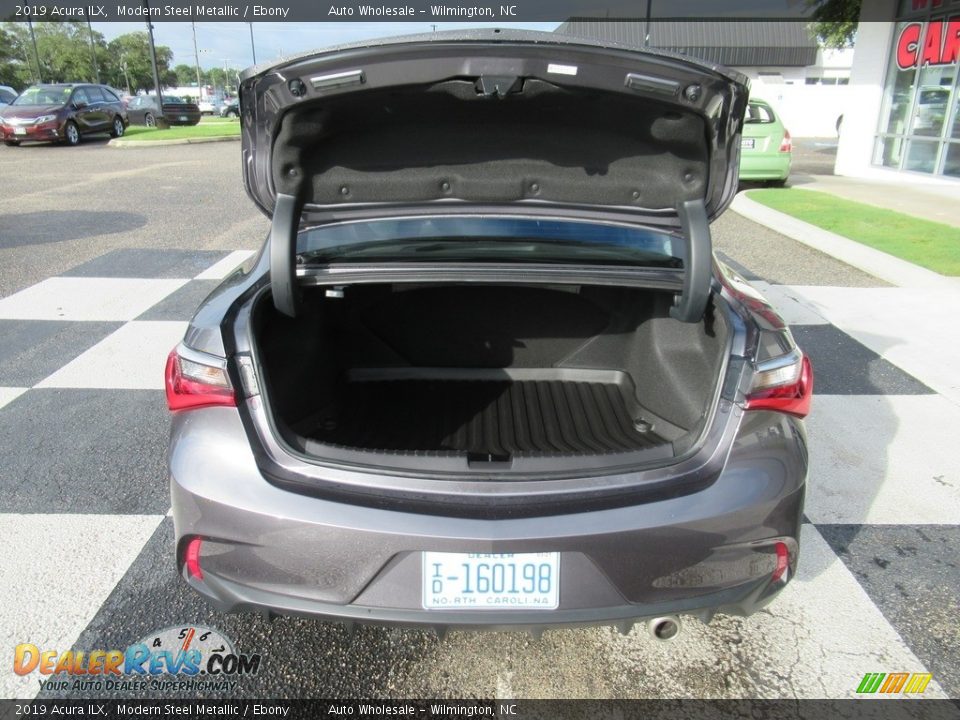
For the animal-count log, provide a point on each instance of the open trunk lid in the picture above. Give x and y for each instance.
(492, 121)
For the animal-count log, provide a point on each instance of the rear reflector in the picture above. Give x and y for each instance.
(786, 145)
(783, 561)
(193, 384)
(785, 388)
(191, 558)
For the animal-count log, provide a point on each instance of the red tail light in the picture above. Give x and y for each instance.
(191, 558)
(192, 383)
(786, 145)
(784, 385)
(783, 561)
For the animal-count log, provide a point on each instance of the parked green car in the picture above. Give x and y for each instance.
(766, 149)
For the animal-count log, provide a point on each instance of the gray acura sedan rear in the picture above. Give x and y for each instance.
(486, 371)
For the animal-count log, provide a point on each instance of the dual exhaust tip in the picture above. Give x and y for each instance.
(664, 628)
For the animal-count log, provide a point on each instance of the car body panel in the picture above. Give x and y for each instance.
(760, 157)
(308, 555)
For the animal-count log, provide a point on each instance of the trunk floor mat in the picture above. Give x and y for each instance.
(486, 417)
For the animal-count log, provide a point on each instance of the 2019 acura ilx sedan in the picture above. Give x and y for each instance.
(486, 371)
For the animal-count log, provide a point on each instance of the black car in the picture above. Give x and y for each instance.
(231, 109)
(62, 112)
(176, 111)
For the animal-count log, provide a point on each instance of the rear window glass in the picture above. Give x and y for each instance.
(759, 113)
(473, 239)
(109, 95)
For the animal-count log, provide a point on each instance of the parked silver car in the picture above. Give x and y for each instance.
(486, 371)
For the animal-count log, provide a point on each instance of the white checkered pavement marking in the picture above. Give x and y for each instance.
(70, 298)
(916, 329)
(57, 572)
(132, 357)
(816, 640)
(8, 394)
(883, 459)
(221, 269)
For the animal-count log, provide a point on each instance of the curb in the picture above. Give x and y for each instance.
(875, 262)
(122, 143)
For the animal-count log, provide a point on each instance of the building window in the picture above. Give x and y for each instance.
(920, 115)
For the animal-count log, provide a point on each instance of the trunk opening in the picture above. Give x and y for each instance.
(491, 377)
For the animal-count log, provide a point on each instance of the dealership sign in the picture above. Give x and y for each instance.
(938, 45)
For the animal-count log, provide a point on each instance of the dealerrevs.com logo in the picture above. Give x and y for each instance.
(179, 658)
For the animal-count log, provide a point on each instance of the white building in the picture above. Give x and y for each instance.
(902, 116)
(805, 83)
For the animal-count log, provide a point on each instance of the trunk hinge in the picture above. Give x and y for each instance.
(283, 254)
(690, 304)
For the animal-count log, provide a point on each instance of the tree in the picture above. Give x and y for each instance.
(186, 74)
(130, 61)
(64, 49)
(222, 79)
(835, 21)
(14, 70)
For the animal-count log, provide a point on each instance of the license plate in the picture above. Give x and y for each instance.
(491, 581)
(183, 118)
(19, 131)
(746, 143)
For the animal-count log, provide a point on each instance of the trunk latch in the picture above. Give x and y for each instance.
(488, 461)
(499, 85)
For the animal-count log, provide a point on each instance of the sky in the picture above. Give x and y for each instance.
(229, 42)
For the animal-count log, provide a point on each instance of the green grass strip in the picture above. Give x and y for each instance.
(181, 132)
(929, 244)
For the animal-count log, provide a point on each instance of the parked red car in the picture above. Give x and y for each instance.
(62, 113)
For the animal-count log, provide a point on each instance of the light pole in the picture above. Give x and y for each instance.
(253, 49)
(93, 52)
(153, 62)
(196, 58)
(225, 61)
(36, 53)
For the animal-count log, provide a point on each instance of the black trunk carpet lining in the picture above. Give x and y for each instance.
(486, 417)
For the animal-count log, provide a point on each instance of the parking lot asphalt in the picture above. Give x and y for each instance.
(105, 252)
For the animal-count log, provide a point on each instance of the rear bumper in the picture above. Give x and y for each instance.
(765, 166)
(268, 549)
(175, 118)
